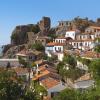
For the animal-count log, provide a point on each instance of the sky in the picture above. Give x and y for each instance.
(22, 12)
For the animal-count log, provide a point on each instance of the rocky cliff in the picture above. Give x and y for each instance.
(19, 35)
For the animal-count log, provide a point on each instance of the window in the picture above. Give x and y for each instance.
(55, 48)
(42, 40)
(94, 30)
(80, 37)
(81, 44)
(59, 48)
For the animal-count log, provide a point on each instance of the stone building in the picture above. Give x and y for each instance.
(32, 38)
(45, 24)
(64, 26)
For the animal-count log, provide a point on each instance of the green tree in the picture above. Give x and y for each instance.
(22, 61)
(68, 94)
(85, 61)
(38, 46)
(71, 94)
(95, 70)
(97, 50)
(68, 59)
(13, 89)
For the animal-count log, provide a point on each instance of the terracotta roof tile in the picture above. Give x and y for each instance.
(49, 82)
(55, 44)
(84, 77)
(89, 54)
(43, 73)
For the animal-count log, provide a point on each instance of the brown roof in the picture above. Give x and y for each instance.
(43, 73)
(49, 82)
(84, 77)
(55, 44)
(89, 54)
(95, 27)
(27, 52)
(43, 67)
(38, 62)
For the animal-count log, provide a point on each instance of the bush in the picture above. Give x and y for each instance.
(38, 46)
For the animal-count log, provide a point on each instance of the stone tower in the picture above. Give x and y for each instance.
(45, 24)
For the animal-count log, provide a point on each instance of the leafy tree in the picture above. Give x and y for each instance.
(8, 65)
(38, 46)
(95, 69)
(71, 94)
(12, 89)
(22, 61)
(85, 61)
(67, 94)
(97, 49)
(67, 68)
(68, 59)
(60, 66)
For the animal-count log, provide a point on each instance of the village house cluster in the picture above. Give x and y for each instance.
(74, 40)
(69, 40)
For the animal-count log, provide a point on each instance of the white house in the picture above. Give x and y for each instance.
(92, 29)
(71, 34)
(53, 86)
(85, 36)
(60, 40)
(53, 48)
(82, 44)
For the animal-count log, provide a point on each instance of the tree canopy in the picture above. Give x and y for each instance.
(38, 47)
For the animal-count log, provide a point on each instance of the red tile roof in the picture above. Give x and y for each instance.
(43, 73)
(55, 44)
(90, 54)
(49, 82)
